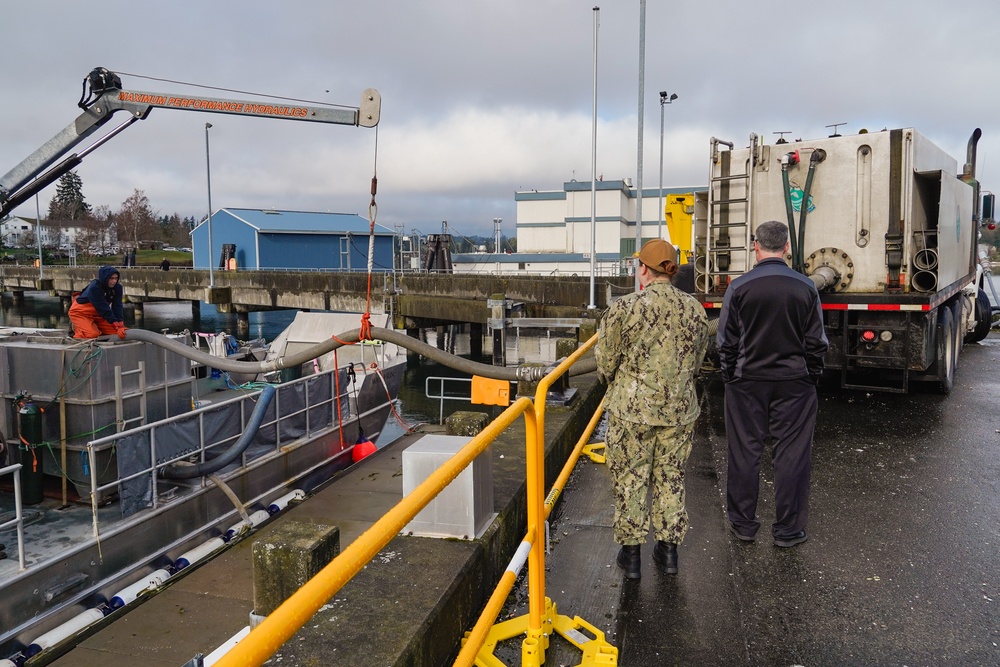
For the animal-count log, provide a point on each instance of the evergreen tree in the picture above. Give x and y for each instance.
(68, 203)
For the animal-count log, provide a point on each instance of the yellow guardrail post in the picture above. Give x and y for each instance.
(479, 644)
(541, 610)
(542, 619)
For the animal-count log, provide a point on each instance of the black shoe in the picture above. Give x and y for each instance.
(628, 560)
(740, 536)
(792, 540)
(665, 555)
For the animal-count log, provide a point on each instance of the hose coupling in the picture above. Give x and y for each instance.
(790, 159)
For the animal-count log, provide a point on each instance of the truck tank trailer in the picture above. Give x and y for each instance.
(886, 227)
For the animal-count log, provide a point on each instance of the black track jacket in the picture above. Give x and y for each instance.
(771, 326)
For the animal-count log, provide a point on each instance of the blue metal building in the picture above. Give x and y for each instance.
(268, 239)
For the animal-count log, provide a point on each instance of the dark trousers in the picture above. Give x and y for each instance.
(786, 411)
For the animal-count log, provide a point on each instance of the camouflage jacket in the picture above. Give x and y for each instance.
(649, 348)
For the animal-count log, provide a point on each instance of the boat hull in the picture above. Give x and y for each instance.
(87, 574)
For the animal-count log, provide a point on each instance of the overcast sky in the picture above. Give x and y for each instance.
(483, 99)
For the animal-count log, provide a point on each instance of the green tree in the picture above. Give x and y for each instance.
(69, 203)
(173, 230)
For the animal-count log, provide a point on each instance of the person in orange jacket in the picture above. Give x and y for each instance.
(98, 308)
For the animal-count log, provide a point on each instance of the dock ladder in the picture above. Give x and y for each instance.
(723, 250)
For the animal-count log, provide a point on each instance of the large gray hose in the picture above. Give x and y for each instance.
(514, 374)
(230, 455)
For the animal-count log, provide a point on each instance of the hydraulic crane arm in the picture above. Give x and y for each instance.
(106, 97)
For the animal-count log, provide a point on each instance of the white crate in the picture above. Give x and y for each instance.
(465, 507)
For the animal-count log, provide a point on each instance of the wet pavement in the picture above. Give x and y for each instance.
(902, 566)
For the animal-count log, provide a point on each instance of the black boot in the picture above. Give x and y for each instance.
(665, 555)
(628, 560)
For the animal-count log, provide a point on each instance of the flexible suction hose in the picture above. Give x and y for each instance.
(798, 263)
(793, 240)
(798, 257)
(514, 374)
(230, 455)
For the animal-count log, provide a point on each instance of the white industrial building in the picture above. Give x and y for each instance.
(18, 232)
(554, 230)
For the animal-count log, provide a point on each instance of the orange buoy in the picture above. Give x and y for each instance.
(362, 448)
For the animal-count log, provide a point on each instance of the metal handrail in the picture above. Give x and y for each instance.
(18, 520)
(285, 621)
(94, 447)
(536, 491)
(479, 633)
(442, 396)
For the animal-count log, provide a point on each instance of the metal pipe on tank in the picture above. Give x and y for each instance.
(824, 276)
(924, 281)
(704, 283)
(925, 259)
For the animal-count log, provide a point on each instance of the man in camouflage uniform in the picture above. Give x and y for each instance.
(649, 349)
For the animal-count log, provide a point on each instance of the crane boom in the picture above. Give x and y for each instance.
(107, 97)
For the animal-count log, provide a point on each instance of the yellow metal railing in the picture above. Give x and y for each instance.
(278, 627)
(542, 619)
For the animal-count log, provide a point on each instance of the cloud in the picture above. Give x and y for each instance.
(481, 100)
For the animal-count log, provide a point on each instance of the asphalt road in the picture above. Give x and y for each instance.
(902, 566)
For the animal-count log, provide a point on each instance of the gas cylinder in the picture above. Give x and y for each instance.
(29, 426)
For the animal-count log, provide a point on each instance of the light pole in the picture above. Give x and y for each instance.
(641, 113)
(38, 234)
(593, 171)
(208, 181)
(664, 100)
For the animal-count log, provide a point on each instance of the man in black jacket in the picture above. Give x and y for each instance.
(771, 345)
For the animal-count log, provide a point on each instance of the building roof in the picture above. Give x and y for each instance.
(518, 257)
(272, 221)
(580, 186)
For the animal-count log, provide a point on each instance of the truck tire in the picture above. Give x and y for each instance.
(946, 333)
(984, 319)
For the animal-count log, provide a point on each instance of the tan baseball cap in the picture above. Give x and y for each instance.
(656, 253)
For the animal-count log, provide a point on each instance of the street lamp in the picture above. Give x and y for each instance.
(38, 234)
(208, 181)
(664, 100)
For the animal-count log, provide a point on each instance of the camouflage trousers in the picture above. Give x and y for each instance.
(644, 459)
